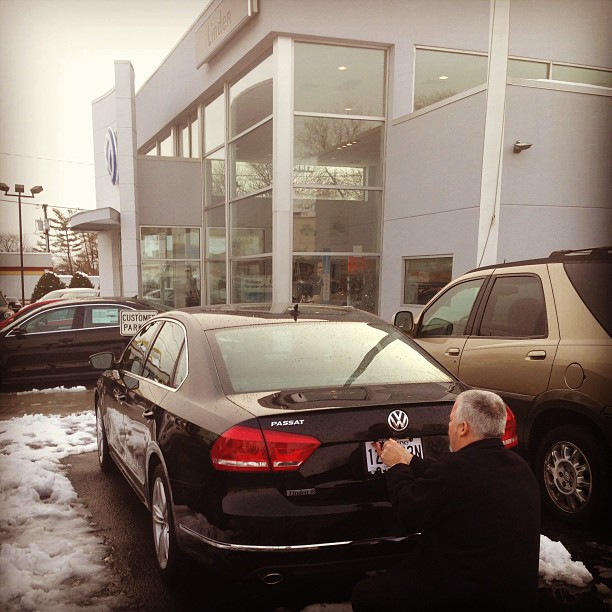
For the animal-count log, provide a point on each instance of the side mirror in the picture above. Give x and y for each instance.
(404, 320)
(102, 361)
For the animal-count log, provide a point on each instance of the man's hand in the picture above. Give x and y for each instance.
(392, 453)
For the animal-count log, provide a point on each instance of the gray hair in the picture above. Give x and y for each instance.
(483, 411)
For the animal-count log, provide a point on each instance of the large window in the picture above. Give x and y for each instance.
(339, 98)
(237, 188)
(443, 73)
(424, 277)
(170, 265)
(339, 80)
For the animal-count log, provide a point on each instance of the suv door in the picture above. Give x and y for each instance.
(511, 335)
(444, 324)
(515, 337)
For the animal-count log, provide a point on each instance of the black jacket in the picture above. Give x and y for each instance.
(478, 511)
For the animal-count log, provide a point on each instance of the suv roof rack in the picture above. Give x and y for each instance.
(593, 251)
(597, 253)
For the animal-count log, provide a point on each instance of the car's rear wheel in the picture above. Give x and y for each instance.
(573, 472)
(104, 458)
(164, 536)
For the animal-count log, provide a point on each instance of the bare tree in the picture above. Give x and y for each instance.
(9, 243)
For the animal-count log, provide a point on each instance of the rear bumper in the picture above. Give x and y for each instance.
(242, 561)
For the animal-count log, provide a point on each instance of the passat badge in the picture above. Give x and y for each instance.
(398, 420)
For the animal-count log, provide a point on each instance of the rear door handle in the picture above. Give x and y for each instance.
(453, 352)
(536, 355)
(65, 340)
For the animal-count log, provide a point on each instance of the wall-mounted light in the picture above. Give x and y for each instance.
(521, 146)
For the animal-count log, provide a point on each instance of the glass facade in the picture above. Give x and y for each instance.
(170, 265)
(339, 97)
(339, 100)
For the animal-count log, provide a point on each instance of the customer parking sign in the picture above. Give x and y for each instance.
(133, 320)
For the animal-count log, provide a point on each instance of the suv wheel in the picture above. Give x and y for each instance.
(573, 472)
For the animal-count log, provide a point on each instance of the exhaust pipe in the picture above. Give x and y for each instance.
(271, 578)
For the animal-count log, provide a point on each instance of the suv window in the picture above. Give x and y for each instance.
(592, 283)
(515, 308)
(448, 315)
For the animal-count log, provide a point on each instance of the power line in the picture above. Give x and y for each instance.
(76, 208)
(61, 161)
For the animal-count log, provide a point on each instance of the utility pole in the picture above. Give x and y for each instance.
(19, 189)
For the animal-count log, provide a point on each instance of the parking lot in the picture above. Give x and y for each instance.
(122, 522)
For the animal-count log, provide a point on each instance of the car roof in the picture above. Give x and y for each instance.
(236, 315)
(570, 255)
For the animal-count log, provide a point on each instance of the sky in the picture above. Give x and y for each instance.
(56, 58)
(51, 557)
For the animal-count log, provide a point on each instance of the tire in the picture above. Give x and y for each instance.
(167, 553)
(573, 470)
(104, 459)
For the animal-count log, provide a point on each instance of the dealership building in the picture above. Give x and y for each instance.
(354, 152)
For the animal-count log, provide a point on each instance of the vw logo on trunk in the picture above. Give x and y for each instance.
(398, 420)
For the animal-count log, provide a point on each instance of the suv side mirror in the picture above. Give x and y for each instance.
(404, 320)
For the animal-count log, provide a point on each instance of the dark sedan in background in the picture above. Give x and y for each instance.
(51, 344)
(247, 431)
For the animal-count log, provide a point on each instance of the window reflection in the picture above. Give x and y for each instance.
(336, 220)
(214, 124)
(442, 74)
(424, 277)
(575, 74)
(339, 280)
(339, 80)
(170, 265)
(214, 178)
(252, 161)
(251, 226)
(337, 151)
(252, 280)
(251, 98)
(164, 353)
(525, 69)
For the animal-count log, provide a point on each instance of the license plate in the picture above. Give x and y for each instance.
(374, 463)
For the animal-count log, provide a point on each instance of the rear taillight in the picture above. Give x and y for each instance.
(247, 449)
(510, 437)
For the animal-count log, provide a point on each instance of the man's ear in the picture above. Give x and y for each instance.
(463, 429)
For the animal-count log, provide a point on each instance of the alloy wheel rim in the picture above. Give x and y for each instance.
(161, 524)
(99, 436)
(567, 475)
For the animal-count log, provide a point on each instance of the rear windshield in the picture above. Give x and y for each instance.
(592, 281)
(320, 354)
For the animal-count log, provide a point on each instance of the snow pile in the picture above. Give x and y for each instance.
(556, 564)
(54, 390)
(49, 557)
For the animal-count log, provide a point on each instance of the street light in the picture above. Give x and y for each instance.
(19, 192)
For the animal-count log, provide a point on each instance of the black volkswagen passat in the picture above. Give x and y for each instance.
(247, 431)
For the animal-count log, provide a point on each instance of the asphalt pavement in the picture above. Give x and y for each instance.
(591, 545)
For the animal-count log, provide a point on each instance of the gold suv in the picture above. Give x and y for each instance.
(538, 333)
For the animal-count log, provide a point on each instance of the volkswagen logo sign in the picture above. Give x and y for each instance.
(110, 153)
(398, 420)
